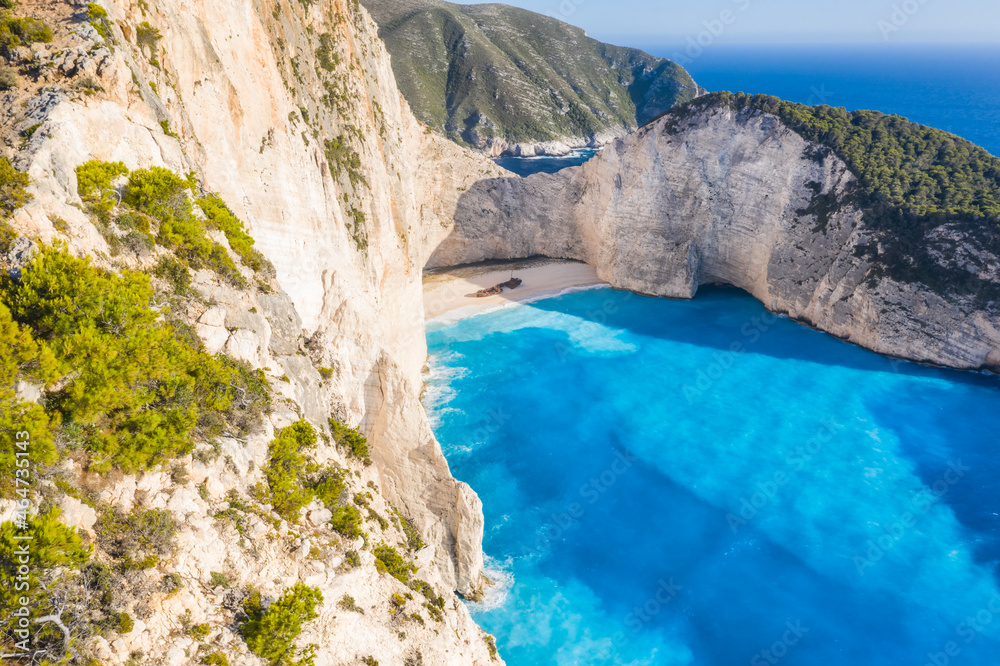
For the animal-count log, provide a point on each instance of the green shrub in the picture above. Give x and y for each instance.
(347, 603)
(220, 580)
(158, 192)
(374, 515)
(125, 624)
(22, 31)
(397, 602)
(216, 659)
(413, 538)
(138, 243)
(99, 19)
(136, 540)
(331, 488)
(60, 225)
(388, 560)
(347, 521)
(165, 126)
(95, 11)
(7, 236)
(131, 385)
(164, 195)
(52, 545)
(172, 583)
(285, 468)
(326, 54)
(222, 218)
(51, 585)
(9, 78)
(21, 357)
(175, 273)
(199, 632)
(12, 192)
(434, 612)
(491, 646)
(99, 579)
(88, 85)
(147, 36)
(352, 558)
(356, 227)
(344, 160)
(241, 395)
(271, 633)
(426, 589)
(351, 440)
(95, 185)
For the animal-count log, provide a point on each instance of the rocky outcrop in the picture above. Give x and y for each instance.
(733, 198)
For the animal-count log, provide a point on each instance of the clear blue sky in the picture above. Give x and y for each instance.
(770, 21)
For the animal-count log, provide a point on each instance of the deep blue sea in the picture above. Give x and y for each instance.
(950, 87)
(700, 482)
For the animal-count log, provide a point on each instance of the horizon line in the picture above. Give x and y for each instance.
(681, 41)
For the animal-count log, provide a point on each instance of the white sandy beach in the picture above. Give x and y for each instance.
(452, 292)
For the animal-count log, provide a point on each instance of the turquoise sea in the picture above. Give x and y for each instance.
(700, 482)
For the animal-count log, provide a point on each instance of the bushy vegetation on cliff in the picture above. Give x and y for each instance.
(911, 180)
(157, 207)
(294, 481)
(270, 631)
(122, 387)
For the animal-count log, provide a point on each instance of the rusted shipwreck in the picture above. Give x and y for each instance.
(512, 283)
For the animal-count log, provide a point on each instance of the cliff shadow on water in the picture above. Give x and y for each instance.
(745, 327)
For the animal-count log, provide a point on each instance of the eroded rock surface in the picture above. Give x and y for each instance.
(728, 199)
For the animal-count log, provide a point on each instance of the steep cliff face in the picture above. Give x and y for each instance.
(289, 111)
(734, 198)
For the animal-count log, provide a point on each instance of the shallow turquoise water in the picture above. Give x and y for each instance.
(671, 482)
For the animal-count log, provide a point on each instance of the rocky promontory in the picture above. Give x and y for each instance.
(722, 195)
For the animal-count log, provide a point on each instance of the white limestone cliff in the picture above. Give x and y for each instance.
(236, 92)
(723, 200)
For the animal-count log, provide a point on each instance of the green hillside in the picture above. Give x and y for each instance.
(481, 72)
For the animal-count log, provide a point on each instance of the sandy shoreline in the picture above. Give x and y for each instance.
(451, 293)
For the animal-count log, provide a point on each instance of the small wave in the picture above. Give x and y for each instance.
(502, 575)
(441, 375)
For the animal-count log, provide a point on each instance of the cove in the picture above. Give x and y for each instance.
(700, 482)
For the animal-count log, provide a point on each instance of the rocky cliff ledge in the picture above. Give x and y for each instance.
(735, 197)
